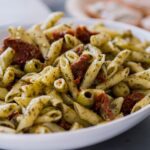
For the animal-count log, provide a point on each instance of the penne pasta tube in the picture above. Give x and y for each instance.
(117, 62)
(7, 109)
(40, 39)
(54, 51)
(56, 29)
(68, 76)
(32, 111)
(8, 123)
(134, 67)
(142, 103)
(49, 75)
(67, 99)
(116, 105)
(118, 77)
(22, 101)
(99, 39)
(51, 20)
(31, 90)
(71, 41)
(76, 126)
(121, 89)
(138, 83)
(39, 129)
(3, 93)
(7, 130)
(142, 74)
(71, 116)
(55, 98)
(71, 56)
(6, 59)
(141, 57)
(54, 127)
(60, 85)
(87, 114)
(33, 65)
(92, 72)
(14, 92)
(52, 116)
(94, 50)
(86, 98)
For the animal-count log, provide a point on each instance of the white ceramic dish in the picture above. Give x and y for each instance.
(83, 137)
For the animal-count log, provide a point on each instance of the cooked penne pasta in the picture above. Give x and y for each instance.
(54, 51)
(20, 33)
(118, 77)
(116, 105)
(49, 75)
(51, 20)
(3, 93)
(68, 76)
(143, 102)
(121, 89)
(71, 116)
(71, 41)
(71, 56)
(33, 65)
(6, 59)
(39, 129)
(60, 28)
(54, 127)
(141, 57)
(57, 77)
(134, 67)
(60, 85)
(4, 129)
(15, 91)
(7, 109)
(92, 72)
(117, 62)
(87, 114)
(32, 112)
(99, 39)
(138, 83)
(76, 126)
(40, 39)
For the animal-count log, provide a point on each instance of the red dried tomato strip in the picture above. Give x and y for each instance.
(101, 77)
(102, 105)
(24, 51)
(79, 67)
(83, 34)
(64, 124)
(129, 101)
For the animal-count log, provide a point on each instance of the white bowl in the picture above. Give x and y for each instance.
(83, 137)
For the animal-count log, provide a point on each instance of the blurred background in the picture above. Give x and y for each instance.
(135, 12)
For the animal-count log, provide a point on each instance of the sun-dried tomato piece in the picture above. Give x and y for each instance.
(101, 77)
(83, 34)
(79, 67)
(79, 49)
(102, 106)
(64, 124)
(129, 101)
(24, 51)
(57, 34)
(14, 114)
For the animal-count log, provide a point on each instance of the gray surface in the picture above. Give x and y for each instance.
(137, 138)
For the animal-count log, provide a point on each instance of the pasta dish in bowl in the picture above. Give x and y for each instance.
(58, 76)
